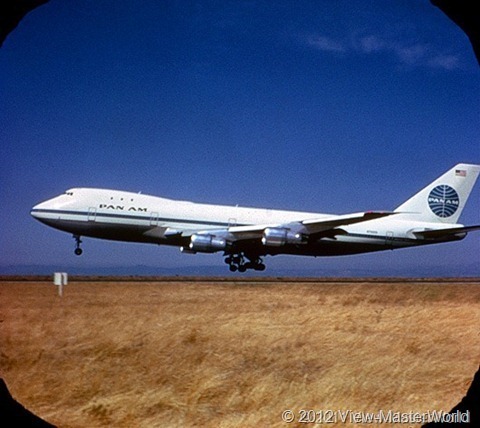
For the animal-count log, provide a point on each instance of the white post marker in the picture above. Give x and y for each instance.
(60, 279)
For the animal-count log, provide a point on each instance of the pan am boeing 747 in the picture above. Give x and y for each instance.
(246, 235)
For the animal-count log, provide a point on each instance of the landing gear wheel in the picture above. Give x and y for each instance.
(236, 262)
(78, 251)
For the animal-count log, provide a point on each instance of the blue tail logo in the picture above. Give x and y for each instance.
(443, 200)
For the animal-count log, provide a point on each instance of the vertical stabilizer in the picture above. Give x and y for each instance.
(443, 200)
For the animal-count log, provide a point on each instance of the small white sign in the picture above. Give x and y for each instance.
(60, 279)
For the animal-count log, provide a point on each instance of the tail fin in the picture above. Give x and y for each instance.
(443, 200)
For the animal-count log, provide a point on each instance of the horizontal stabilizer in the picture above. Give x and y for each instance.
(440, 233)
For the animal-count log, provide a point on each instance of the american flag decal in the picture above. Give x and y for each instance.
(460, 173)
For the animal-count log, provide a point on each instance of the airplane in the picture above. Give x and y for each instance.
(247, 235)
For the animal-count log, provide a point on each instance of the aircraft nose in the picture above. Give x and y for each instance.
(36, 210)
(51, 208)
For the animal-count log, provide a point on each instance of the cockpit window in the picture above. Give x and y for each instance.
(69, 193)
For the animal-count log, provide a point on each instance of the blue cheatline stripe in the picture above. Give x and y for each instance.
(134, 217)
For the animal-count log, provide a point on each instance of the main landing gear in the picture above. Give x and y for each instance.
(78, 251)
(237, 262)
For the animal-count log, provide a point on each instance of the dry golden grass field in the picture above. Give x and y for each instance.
(234, 353)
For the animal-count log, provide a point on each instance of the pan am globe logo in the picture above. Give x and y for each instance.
(443, 201)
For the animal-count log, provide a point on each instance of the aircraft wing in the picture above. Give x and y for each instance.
(443, 233)
(316, 226)
(304, 227)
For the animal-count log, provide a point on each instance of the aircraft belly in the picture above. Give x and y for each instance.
(336, 248)
(343, 245)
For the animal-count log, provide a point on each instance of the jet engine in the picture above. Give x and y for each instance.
(276, 237)
(206, 243)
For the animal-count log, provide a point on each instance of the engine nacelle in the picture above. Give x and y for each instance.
(276, 237)
(206, 243)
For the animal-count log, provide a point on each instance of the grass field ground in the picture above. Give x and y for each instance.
(236, 354)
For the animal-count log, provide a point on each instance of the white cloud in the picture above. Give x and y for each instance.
(410, 54)
(447, 62)
(324, 43)
(371, 44)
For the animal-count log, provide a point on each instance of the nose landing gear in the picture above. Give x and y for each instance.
(78, 251)
(237, 262)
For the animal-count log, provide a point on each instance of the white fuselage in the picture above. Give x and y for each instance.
(127, 216)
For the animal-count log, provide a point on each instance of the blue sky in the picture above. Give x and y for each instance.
(326, 106)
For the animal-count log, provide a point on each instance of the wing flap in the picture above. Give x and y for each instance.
(441, 233)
